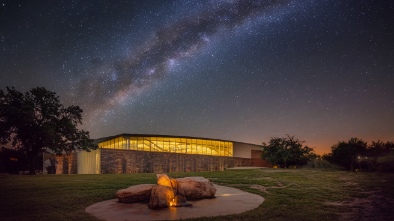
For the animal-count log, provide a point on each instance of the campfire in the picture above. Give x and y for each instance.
(168, 192)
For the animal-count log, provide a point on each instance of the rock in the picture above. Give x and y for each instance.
(133, 194)
(167, 193)
(161, 197)
(195, 188)
(164, 180)
(180, 200)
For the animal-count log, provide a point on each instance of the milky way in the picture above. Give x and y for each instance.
(111, 84)
(321, 70)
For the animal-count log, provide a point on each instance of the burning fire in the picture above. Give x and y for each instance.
(172, 202)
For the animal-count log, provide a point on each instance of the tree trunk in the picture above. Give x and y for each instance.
(352, 165)
(33, 162)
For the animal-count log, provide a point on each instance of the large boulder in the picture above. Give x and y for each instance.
(161, 196)
(195, 188)
(167, 193)
(134, 194)
(165, 180)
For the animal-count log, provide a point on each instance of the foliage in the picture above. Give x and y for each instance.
(13, 161)
(380, 148)
(379, 156)
(320, 163)
(36, 122)
(346, 154)
(385, 163)
(287, 151)
(356, 154)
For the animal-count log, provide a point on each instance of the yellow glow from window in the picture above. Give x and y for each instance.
(170, 144)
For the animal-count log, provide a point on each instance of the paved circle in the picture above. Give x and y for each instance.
(228, 201)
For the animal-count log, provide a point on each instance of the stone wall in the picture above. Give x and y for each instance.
(131, 161)
(257, 160)
(66, 164)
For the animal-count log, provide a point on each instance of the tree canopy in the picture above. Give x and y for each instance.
(12, 161)
(287, 151)
(36, 122)
(357, 154)
(345, 154)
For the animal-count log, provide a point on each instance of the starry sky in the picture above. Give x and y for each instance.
(322, 70)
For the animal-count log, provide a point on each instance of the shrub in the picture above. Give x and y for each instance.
(385, 163)
(318, 163)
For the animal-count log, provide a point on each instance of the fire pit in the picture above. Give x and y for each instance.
(227, 201)
(168, 192)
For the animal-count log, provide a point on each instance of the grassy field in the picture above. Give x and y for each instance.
(290, 194)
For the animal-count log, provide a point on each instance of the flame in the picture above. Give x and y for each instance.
(172, 202)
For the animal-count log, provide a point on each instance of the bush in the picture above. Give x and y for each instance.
(385, 163)
(12, 161)
(318, 163)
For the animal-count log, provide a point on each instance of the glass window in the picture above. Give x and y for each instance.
(140, 144)
(170, 144)
(181, 148)
(128, 143)
(166, 146)
(147, 144)
(133, 144)
(159, 146)
(173, 146)
(116, 143)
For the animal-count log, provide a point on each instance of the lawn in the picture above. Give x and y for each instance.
(290, 194)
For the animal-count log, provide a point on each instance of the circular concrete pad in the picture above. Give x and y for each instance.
(228, 201)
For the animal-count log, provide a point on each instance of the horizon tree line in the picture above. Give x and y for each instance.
(36, 122)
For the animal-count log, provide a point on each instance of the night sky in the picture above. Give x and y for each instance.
(322, 70)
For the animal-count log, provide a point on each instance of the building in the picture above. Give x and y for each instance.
(142, 153)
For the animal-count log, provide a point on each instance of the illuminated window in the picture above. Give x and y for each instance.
(170, 144)
(133, 143)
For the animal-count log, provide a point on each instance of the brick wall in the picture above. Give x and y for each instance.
(257, 160)
(131, 161)
(66, 164)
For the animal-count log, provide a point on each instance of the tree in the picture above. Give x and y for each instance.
(380, 156)
(36, 122)
(347, 154)
(12, 161)
(379, 148)
(287, 151)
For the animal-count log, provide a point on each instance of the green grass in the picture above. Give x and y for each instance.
(290, 194)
